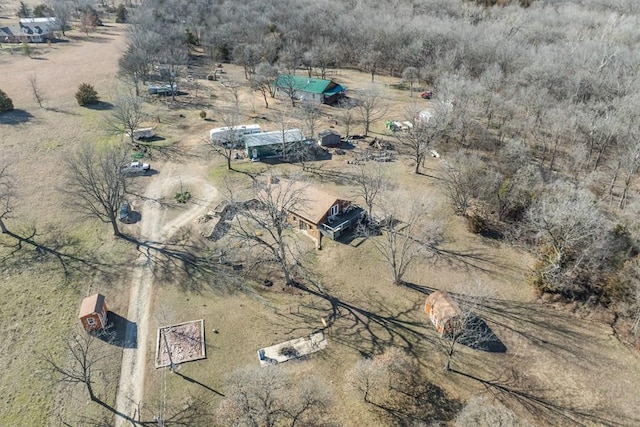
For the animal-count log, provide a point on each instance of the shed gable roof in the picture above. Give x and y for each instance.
(442, 306)
(91, 304)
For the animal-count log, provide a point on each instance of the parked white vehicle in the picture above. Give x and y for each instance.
(135, 168)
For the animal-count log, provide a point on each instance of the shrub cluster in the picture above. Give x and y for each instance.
(6, 104)
(86, 95)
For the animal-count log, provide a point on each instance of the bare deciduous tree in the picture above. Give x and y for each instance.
(6, 197)
(321, 55)
(370, 61)
(629, 165)
(226, 143)
(470, 329)
(411, 75)
(394, 385)
(266, 396)
(248, 56)
(370, 182)
(62, 11)
(400, 234)
(370, 107)
(260, 223)
(629, 277)
(515, 194)
(85, 361)
(287, 84)
(462, 180)
(36, 90)
(348, 115)
(134, 66)
(95, 182)
(417, 140)
(263, 81)
(82, 362)
(126, 115)
(480, 412)
(142, 45)
(310, 114)
(567, 223)
(173, 58)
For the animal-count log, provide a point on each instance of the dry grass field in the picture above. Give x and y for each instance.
(561, 366)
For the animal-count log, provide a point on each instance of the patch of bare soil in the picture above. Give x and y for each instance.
(180, 343)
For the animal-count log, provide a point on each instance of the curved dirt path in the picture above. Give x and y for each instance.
(153, 230)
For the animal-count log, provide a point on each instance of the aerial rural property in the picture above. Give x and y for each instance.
(320, 213)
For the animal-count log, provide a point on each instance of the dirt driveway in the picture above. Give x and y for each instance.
(154, 231)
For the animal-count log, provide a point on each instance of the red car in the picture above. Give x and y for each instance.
(426, 94)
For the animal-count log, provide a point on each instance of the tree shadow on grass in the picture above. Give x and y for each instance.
(489, 342)
(543, 327)
(15, 117)
(184, 264)
(368, 330)
(194, 381)
(59, 110)
(471, 259)
(513, 391)
(97, 39)
(172, 151)
(552, 330)
(327, 175)
(100, 106)
(418, 402)
(62, 248)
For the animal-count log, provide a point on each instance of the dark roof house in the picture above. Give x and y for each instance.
(307, 89)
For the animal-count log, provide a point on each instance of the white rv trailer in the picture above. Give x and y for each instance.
(232, 133)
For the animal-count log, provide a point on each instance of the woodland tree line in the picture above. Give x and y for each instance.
(536, 108)
(535, 111)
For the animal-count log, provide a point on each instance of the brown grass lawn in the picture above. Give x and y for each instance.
(39, 303)
(560, 367)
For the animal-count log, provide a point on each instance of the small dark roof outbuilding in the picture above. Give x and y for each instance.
(329, 138)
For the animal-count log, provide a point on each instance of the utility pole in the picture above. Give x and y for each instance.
(166, 344)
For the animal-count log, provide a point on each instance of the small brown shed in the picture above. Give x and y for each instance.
(444, 313)
(93, 313)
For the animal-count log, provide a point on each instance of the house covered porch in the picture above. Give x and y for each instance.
(336, 225)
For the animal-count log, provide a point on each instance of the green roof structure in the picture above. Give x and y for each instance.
(302, 83)
(318, 89)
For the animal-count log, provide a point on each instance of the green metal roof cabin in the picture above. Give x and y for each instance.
(306, 89)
